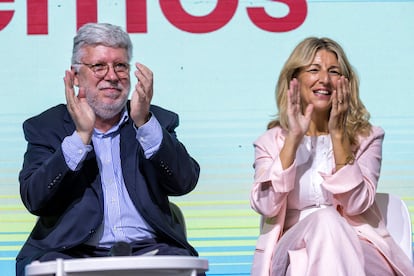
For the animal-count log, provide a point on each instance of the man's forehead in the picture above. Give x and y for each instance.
(102, 51)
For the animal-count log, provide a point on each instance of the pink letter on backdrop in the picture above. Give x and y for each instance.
(296, 16)
(178, 17)
(136, 16)
(5, 16)
(37, 21)
(87, 11)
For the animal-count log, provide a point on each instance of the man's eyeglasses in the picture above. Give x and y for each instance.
(101, 69)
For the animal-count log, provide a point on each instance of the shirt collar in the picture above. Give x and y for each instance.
(115, 129)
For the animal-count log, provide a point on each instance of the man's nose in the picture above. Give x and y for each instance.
(111, 74)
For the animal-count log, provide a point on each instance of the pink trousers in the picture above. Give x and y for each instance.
(324, 243)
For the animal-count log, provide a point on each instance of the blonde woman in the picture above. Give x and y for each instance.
(316, 173)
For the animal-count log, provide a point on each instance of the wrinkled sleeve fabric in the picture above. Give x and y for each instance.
(271, 182)
(150, 136)
(74, 150)
(354, 186)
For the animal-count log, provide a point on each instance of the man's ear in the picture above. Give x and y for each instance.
(75, 76)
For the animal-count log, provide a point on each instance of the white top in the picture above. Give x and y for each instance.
(314, 156)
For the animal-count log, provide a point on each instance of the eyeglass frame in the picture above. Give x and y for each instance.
(91, 66)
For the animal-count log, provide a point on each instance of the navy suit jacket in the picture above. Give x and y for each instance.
(69, 204)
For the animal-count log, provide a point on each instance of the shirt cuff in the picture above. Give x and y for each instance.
(74, 150)
(149, 136)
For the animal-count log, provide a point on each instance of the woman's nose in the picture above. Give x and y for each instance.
(324, 76)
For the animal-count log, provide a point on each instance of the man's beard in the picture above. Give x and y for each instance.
(107, 111)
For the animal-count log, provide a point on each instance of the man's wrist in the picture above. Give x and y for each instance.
(147, 118)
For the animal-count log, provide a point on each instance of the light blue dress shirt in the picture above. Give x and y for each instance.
(122, 221)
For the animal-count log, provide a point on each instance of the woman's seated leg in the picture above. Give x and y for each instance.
(323, 243)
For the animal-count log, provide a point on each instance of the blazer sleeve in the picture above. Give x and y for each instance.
(171, 166)
(46, 182)
(354, 186)
(271, 183)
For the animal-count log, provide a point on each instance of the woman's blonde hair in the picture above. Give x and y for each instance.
(358, 117)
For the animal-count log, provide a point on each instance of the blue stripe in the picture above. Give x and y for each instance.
(8, 254)
(7, 268)
(11, 243)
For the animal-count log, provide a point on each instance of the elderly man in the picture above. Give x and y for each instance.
(99, 170)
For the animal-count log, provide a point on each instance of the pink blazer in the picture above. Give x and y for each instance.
(353, 188)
